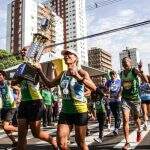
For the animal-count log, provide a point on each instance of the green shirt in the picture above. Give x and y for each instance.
(130, 84)
(29, 91)
(99, 102)
(47, 96)
(73, 95)
(6, 96)
(100, 106)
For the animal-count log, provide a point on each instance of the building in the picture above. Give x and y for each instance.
(149, 69)
(132, 53)
(21, 24)
(55, 30)
(74, 18)
(24, 19)
(101, 60)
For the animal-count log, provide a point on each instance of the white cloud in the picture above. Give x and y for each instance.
(115, 42)
(126, 13)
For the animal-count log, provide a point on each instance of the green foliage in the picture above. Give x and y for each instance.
(8, 60)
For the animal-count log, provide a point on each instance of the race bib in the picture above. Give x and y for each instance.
(114, 87)
(127, 85)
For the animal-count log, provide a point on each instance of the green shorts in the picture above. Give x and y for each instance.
(133, 106)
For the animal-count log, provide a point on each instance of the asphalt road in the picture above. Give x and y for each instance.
(110, 141)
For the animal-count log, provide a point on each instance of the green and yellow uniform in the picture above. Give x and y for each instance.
(6, 96)
(130, 84)
(29, 91)
(73, 95)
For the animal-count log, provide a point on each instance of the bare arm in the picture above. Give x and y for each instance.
(86, 80)
(49, 83)
(141, 74)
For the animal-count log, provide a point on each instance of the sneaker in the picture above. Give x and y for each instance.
(109, 127)
(145, 127)
(115, 132)
(88, 133)
(98, 140)
(139, 137)
(14, 144)
(44, 125)
(127, 146)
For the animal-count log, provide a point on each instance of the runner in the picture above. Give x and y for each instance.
(130, 97)
(29, 114)
(145, 99)
(55, 107)
(17, 98)
(114, 86)
(107, 106)
(97, 96)
(74, 104)
(7, 107)
(47, 102)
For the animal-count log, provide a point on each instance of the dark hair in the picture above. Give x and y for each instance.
(126, 57)
(3, 73)
(112, 72)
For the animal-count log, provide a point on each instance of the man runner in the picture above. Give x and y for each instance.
(130, 97)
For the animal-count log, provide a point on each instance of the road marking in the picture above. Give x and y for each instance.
(72, 133)
(90, 139)
(132, 138)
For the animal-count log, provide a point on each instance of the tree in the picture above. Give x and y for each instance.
(8, 59)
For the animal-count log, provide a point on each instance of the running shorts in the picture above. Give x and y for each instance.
(79, 119)
(30, 110)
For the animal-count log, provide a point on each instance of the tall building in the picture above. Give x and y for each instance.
(21, 24)
(149, 69)
(24, 19)
(55, 30)
(133, 54)
(101, 60)
(74, 18)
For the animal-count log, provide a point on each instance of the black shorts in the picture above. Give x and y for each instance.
(7, 114)
(79, 119)
(30, 110)
(145, 101)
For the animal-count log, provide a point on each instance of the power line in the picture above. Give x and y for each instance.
(105, 32)
(102, 4)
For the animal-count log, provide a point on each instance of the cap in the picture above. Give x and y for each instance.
(71, 51)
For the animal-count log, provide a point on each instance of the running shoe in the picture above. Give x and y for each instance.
(115, 132)
(98, 140)
(14, 144)
(127, 146)
(145, 127)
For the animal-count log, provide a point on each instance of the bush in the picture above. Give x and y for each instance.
(8, 60)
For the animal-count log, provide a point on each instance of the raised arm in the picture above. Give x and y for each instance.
(49, 83)
(141, 74)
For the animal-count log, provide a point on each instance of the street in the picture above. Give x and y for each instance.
(110, 141)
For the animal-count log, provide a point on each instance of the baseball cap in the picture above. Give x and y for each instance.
(71, 51)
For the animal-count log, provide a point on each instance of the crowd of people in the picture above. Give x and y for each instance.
(25, 104)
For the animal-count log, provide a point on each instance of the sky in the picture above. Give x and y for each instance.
(122, 13)
(108, 17)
